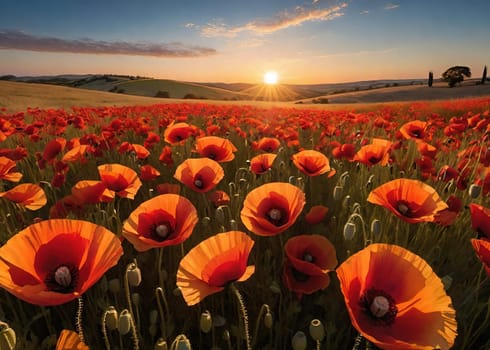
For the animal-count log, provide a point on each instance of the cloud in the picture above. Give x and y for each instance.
(17, 40)
(189, 25)
(391, 6)
(365, 12)
(281, 21)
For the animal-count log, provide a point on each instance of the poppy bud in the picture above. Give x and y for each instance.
(181, 343)
(7, 337)
(133, 273)
(346, 202)
(206, 322)
(219, 214)
(268, 320)
(375, 227)
(349, 230)
(233, 225)
(153, 316)
(474, 191)
(337, 192)
(125, 321)
(160, 344)
(317, 331)
(111, 318)
(299, 341)
(135, 297)
(114, 285)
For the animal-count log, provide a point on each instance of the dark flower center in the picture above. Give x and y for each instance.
(416, 133)
(162, 231)
(373, 160)
(199, 183)
(63, 279)
(403, 208)
(276, 216)
(308, 257)
(380, 306)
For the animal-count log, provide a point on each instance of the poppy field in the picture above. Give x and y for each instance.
(179, 226)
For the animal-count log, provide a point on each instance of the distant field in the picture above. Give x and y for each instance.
(16, 96)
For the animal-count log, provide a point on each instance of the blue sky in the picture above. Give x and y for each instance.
(316, 41)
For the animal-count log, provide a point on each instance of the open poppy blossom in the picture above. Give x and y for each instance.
(377, 152)
(480, 220)
(447, 216)
(395, 300)
(216, 148)
(29, 196)
(148, 172)
(164, 220)
(199, 174)
(311, 162)
(213, 264)
(261, 163)
(482, 249)
(308, 260)
(77, 153)
(272, 208)
(91, 192)
(70, 340)
(415, 129)
(176, 133)
(120, 179)
(266, 144)
(7, 170)
(411, 200)
(55, 261)
(218, 198)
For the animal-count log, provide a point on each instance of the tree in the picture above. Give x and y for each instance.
(431, 79)
(484, 75)
(456, 75)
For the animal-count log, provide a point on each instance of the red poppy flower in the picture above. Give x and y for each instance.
(65, 206)
(77, 153)
(395, 300)
(266, 144)
(120, 179)
(346, 151)
(29, 196)
(53, 148)
(148, 173)
(262, 163)
(311, 162)
(482, 249)
(166, 156)
(69, 340)
(216, 148)
(176, 133)
(164, 220)
(414, 130)
(55, 261)
(480, 220)
(411, 200)
(168, 188)
(7, 167)
(139, 151)
(213, 264)
(308, 260)
(272, 208)
(377, 152)
(447, 216)
(219, 198)
(199, 174)
(317, 214)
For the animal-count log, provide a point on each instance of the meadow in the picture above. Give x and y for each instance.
(234, 226)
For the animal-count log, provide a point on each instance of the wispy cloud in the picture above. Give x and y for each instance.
(281, 21)
(17, 40)
(365, 12)
(391, 6)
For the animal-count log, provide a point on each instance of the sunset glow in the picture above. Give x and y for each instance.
(271, 77)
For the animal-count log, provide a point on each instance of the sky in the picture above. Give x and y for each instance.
(305, 42)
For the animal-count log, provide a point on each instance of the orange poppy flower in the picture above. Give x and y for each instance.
(77, 153)
(176, 133)
(308, 259)
(213, 264)
(69, 340)
(482, 249)
(7, 166)
(199, 174)
(91, 192)
(120, 179)
(272, 208)
(377, 152)
(480, 220)
(414, 130)
(311, 162)
(411, 200)
(316, 214)
(29, 196)
(55, 261)
(262, 163)
(216, 148)
(395, 300)
(266, 144)
(164, 220)
(139, 151)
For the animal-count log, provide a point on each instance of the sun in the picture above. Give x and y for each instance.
(270, 77)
